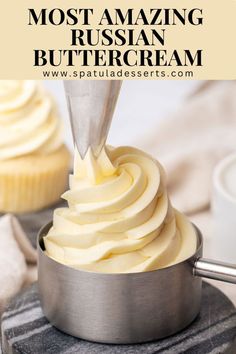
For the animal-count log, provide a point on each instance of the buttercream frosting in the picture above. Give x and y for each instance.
(28, 119)
(119, 218)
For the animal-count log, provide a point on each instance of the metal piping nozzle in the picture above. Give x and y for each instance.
(91, 105)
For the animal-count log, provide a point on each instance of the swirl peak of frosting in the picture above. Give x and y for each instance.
(119, 218)
(29, 121)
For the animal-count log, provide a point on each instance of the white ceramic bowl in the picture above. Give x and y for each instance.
(224, 209)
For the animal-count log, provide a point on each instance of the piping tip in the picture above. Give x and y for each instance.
(91, 104)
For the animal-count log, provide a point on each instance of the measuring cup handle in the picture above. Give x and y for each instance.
(211, 269)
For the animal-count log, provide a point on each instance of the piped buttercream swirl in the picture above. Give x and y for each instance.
(119, 218)
(28, 120)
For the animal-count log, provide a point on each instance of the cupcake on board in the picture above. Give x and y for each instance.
(34, 162)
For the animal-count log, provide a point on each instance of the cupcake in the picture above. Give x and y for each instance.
(34, 162)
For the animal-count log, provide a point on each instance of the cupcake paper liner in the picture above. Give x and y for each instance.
(30, 183)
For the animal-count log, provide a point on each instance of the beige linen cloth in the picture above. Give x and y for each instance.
(191, 142)
(188, 144)
(17, 259)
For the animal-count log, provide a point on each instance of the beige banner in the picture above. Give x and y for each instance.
(148, 39)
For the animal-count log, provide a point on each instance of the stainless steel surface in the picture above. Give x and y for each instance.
(119, 308)
(91, 104)
(215, 270)
(125, 308)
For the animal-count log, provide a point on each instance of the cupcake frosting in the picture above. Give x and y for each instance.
(28, 120)
(119, 218)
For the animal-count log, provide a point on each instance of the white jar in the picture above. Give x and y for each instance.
(224, 210)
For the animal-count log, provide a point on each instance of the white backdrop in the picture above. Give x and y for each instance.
(141, 104)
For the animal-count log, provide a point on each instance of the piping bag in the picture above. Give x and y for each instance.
(91, 104)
